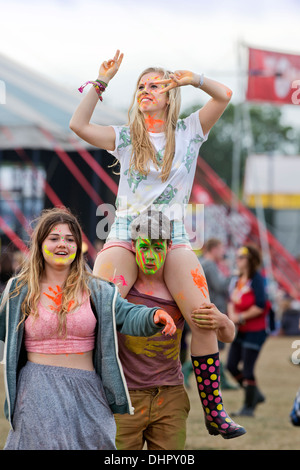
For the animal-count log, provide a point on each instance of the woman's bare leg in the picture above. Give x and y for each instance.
(117, 265)
(186, 282)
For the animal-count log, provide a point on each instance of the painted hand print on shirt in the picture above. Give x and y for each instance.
(151, 347)
(56, 298)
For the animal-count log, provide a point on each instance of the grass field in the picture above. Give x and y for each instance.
(270, 429)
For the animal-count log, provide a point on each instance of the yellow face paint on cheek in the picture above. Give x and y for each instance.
(65, 260)
(47, 252)
(58, 260)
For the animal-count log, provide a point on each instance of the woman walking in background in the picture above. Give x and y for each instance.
(248, 308)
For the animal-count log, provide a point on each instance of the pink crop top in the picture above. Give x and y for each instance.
(41, 333)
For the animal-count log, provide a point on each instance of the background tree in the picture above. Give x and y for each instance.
(270, 135)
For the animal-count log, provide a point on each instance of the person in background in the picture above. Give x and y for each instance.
(218, 284)
(248, 309)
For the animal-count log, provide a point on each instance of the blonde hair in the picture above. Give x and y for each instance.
(75, 286)
(143, 152)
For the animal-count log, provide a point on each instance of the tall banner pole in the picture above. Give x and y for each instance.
(237, 146)
(237, 142)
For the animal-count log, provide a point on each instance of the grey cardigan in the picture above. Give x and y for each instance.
(112, 312)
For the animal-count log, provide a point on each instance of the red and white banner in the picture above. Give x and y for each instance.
(273, 77)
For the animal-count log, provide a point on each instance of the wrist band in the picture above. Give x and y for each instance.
(98, 85)
(201, 80)
(101, 83)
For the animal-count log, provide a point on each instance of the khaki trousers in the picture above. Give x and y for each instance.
(159, 419)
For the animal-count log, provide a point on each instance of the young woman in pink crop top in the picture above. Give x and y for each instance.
(61, 402)
(43, 343)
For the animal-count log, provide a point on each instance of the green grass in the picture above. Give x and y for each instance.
(270, 428)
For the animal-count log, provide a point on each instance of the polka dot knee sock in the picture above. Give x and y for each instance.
(207, 372)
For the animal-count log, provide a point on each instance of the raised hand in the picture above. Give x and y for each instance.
(163, 317)
(178, 78)
(108, 69)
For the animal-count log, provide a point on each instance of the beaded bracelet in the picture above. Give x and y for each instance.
(98, 85)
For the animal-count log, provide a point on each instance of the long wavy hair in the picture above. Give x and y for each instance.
(254, 259)
(143, 152)
(75, 287)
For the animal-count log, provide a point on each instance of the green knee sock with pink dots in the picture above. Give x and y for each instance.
(207, 372)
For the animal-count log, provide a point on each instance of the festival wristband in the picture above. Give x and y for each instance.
(101, 83)
(98, 85)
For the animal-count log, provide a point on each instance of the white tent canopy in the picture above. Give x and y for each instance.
(29, 102)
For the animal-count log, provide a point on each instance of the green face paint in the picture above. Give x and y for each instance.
(150, 254)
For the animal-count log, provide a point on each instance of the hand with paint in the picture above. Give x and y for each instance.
(163, 317)
(108, 69)
(179, 78)
(209, 317)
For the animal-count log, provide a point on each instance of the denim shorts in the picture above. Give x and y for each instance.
(119, 234)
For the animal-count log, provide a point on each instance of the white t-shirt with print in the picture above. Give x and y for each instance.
(138, 192)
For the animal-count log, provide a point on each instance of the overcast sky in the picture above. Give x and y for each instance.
(68, 39)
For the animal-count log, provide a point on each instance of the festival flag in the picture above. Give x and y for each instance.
(273, 77)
